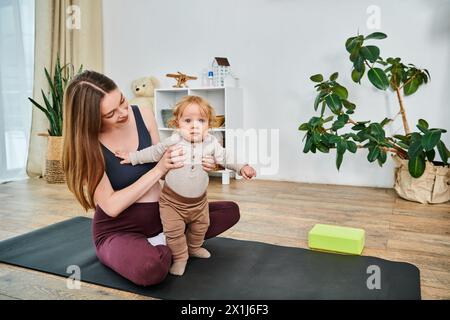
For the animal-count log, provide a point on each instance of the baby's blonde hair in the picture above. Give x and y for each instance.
(205, 109)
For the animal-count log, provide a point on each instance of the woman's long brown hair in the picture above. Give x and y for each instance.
(83, 160)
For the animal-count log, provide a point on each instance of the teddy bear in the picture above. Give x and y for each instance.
(143, 89)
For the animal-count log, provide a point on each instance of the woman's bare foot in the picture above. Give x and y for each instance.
(199, 253)
(178, 268)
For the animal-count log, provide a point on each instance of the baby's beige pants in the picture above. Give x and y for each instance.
(176, 213)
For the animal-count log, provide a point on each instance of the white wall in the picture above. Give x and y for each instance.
(274, 46)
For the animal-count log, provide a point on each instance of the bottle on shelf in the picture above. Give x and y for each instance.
(205, 80)
(210, 79)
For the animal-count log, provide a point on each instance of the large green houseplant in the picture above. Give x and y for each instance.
(53, 110)
(413, 151)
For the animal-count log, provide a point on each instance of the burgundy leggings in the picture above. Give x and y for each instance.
(121, 243)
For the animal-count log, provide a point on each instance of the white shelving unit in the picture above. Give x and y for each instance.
(227, 101)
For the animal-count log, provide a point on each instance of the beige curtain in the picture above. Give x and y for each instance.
(72, 28)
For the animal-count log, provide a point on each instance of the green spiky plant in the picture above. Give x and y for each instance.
(53, 101)
(323, 133)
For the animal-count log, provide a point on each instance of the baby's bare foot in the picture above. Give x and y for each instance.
(199, 253)
(178, 268)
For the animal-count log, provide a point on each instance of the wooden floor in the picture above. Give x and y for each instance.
(271, 211)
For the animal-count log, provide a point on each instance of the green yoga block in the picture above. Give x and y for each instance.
(336, 239)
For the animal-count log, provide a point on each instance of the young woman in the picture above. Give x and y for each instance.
(98, 122)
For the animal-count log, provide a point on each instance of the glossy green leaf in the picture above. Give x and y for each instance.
(322, 111)
(304, 127)
(316, 138)
(328, 119)
(340, 91)
(348, 105)
(402, 145)
(378, 78)
(405, 139)
(339, 158)
(352, 43)
(341, 147)
(415, 136)
(343, 117)
(334, 76)
(422, 128)
(430, 140)
(377, 130)
(414, 148)
(354, 54)
(357, 75)
(316, 78)
(334, 102)
(373, 153)
(385, 121)
(308, 144)
(317, 101)
(416, 165)
(382, 157)
(376, 35)
(411, 87)
(315, 122)
(430, 154)
(370, 53)
(351, 146)
(443, 151)
(358, 127)
(322, 148)
(338, 125)
(332, 138)
(358, 64)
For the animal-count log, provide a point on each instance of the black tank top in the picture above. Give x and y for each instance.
(123, 175)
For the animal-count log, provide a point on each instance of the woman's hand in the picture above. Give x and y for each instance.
(173, 158)
(122, 155)
(247, 172)
(208, 163)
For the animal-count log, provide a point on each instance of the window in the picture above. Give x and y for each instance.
(16, 85)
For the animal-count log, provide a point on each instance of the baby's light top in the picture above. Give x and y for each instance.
(190, 180)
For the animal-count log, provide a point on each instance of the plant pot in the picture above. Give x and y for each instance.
(432, 187)
(53, 164)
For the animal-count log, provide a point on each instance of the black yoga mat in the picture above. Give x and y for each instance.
(236, 270)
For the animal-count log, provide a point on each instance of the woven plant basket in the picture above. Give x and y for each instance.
(432, 187)
(53, 164)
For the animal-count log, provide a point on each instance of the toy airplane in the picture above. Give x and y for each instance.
(181, 79)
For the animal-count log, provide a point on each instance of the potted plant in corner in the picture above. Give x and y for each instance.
(418, 175)
(53, 110)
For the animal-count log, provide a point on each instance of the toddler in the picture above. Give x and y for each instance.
(183, 200)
